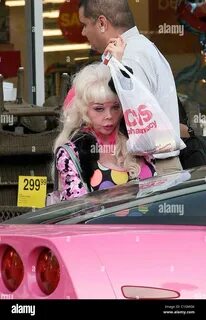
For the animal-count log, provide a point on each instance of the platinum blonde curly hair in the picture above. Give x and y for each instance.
(91, 86)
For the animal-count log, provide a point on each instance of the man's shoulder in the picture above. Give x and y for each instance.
(134, 36)
(137, 50)
(142, 49)
(137, 43)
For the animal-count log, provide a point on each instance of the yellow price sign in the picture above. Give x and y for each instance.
(32, 191)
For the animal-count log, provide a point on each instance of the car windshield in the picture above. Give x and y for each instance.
(175, 208)
(177, 198)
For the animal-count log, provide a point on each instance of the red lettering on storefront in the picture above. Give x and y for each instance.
(69, 22)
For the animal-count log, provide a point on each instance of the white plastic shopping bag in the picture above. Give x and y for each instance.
(149, 129)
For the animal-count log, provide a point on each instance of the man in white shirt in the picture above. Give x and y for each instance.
(105, 20)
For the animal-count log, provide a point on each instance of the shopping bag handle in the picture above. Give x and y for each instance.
(120, 66)
(113, 61)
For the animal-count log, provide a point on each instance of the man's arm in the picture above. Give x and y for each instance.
(184, 131)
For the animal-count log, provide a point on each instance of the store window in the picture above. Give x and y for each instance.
(12, 39)
(65, 49)
(177, 28)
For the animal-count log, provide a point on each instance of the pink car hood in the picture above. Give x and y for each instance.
(101, 260)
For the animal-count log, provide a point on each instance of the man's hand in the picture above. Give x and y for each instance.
(116, 47)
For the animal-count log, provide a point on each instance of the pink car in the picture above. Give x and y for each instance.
(142, 240)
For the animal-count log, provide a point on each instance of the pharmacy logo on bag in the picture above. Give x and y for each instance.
(139, 120)
(151, 184)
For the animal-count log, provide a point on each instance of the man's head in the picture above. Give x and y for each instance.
(104, 19)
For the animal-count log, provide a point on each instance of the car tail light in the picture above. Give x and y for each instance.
(47, 271)
(12, 269)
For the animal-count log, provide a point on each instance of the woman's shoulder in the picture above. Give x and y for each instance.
(85, 142)
(63, 150)
(83, 136)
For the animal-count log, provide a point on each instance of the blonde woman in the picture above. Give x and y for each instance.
(94, 128)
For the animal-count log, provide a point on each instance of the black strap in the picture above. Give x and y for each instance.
(184, 118)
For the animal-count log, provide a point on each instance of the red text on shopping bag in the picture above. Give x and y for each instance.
(139, 120)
